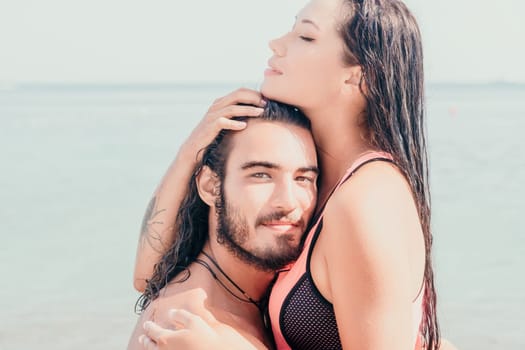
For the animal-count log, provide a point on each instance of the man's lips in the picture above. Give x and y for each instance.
(282, 226)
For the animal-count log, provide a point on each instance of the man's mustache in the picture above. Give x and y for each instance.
(279, 216)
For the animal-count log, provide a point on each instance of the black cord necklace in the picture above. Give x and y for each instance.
(208, 267)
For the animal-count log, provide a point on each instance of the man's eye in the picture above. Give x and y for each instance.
(305, 179)
(261, 175)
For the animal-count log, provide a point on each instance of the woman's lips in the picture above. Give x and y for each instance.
(271, 71)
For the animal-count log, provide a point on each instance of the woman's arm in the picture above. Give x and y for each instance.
(158, 226)
(157, 230)
(369, 228)
(191, 332)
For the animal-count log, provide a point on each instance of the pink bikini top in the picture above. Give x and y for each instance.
(300, 316)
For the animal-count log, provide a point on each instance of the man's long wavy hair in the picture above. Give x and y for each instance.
(192, 219)
(383, 38)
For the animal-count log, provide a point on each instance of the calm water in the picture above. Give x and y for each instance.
(78, 164)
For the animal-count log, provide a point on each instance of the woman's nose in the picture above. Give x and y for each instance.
(277, 46)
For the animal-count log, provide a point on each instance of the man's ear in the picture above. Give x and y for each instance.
(208, 185)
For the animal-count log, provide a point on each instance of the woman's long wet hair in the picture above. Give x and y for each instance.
(192, 219)
(383, 38)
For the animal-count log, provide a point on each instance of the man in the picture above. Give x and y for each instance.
(248, 205)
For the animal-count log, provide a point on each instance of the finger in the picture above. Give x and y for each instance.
(242, 95)
(230, 124)
(147, 343)
(187, 319)
(224, 121)
(215, 118)
(154, 331)
(240, 111)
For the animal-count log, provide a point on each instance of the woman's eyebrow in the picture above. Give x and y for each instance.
(307, 21)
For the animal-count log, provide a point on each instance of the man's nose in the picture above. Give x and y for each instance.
(285, 199)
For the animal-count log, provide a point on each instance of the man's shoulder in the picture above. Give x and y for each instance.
(170, 297)
(194, 300)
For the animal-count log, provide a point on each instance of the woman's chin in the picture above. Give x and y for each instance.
(272, 92)
(266, 89)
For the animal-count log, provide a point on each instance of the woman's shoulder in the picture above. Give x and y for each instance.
(370, 203)
(365, 226)
(374, 183)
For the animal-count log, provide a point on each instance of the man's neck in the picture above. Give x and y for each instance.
(240, 278)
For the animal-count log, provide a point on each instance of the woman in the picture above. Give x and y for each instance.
(365, 279)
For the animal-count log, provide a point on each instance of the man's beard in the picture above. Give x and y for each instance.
(233, 231)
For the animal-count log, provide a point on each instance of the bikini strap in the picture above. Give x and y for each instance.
(363, 159)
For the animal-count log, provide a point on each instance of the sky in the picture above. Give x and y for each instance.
(167, 41)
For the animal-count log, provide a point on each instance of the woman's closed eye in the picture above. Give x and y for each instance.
(306, 38)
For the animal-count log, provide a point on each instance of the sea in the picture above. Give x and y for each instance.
(79, 162)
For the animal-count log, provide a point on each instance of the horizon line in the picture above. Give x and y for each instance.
(11, 85)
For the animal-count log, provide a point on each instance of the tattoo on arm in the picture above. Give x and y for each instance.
(148, 231)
